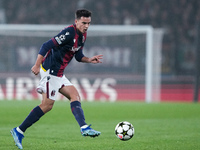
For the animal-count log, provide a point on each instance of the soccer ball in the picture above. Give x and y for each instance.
(124, 130)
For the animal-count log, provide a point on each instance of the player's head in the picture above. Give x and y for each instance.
(82, 19)
(82, 13)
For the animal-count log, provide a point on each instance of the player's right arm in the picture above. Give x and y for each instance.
(36, 68)
(43, 50)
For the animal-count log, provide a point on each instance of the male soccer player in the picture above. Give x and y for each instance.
(53, 57)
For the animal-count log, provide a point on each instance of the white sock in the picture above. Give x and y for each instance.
(19, 130)
(85, 126)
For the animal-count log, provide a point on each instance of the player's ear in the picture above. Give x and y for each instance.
(76, 20)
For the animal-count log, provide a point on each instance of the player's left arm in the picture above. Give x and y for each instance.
(82, 58)
(95, 59)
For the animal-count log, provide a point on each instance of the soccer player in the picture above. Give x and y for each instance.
(52, 59)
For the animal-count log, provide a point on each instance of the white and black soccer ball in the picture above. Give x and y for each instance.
(124, 130)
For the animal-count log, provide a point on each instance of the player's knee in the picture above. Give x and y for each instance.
(46, 106)
(75, 98)
(49, 108)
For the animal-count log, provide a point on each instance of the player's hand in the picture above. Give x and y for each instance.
(35, 69)
(96, 59)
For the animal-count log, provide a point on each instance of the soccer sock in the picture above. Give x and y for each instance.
(78, 113)
(34, 116)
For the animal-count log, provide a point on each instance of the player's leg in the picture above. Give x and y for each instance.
(46, 104)
(37, 112)
(72, 94)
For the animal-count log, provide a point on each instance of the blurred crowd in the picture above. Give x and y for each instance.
(179, 18)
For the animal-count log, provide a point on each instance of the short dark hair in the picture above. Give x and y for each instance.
(83, 13)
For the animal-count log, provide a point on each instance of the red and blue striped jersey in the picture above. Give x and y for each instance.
(59, 51)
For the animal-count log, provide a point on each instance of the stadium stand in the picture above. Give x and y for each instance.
(179, 18)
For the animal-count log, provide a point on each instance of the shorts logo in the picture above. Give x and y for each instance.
(53, 93)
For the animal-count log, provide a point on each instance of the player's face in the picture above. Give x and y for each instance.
(83, 24)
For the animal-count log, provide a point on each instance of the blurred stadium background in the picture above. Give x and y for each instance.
(122, 74)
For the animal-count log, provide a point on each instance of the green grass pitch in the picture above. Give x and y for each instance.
(158, 126)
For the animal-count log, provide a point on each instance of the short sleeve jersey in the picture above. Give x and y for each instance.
(67, 44)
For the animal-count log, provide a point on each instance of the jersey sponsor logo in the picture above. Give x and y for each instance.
(58, 40)
(74, 49)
